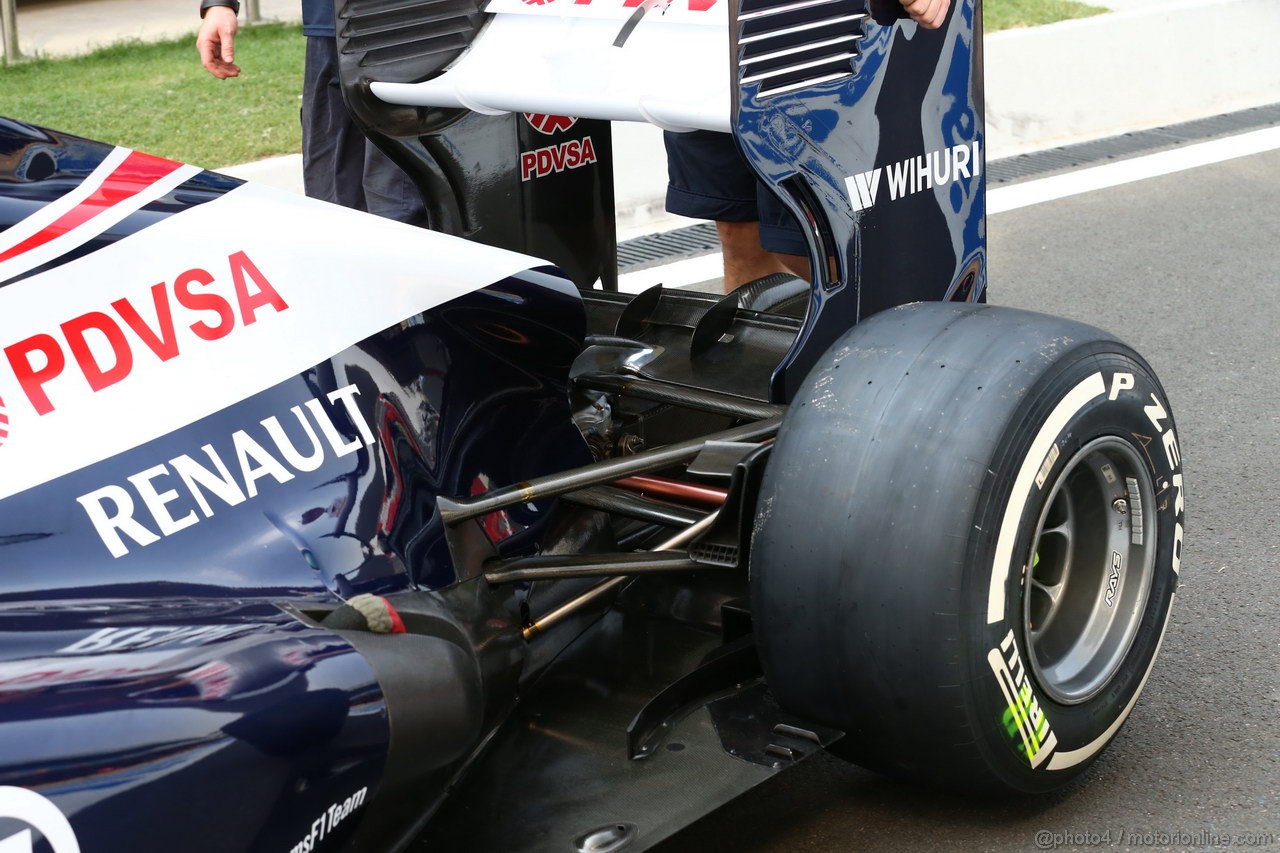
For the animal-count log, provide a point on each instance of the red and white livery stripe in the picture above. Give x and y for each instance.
(123, 183)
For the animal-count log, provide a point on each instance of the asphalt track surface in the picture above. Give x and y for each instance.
(1186, 268)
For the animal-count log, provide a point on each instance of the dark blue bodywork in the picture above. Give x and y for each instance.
(915, 97)
(177, 690)
(175, 708)
(181, 679)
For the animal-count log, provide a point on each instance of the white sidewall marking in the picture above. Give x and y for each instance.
(1073, 402)
(1063, 760)
(37, 811)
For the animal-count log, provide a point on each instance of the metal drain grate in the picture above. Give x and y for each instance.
(1129, 144)
(687, 242)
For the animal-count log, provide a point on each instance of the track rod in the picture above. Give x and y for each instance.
(455, 511)
(564, 611)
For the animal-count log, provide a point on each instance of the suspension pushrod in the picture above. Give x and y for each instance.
(694, 398)
(454, 511)
(676, 489)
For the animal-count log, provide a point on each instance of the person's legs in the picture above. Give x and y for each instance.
(339, 164)
(780, 235)
(332, 147)
(388, 191)
(744, 258)
(708, 179)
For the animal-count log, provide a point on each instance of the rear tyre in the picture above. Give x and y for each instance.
(967, 544)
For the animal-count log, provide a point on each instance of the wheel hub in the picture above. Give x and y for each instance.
(1089, 575)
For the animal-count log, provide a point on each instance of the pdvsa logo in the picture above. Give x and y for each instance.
(103, 346)
(41, 816)
(542, 122)
(573, 154)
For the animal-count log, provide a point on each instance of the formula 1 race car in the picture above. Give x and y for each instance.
(321, 532)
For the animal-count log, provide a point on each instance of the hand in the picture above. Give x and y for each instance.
(928, 13)
(217, 41)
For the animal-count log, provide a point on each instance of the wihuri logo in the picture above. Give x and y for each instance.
(934, 169)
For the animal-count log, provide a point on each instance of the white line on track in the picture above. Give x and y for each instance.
(703, 268)
(1005, 199)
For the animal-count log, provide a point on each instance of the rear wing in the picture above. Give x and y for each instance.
(647, 61)
(868, 127)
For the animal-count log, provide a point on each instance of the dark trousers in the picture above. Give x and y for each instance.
(339, 164)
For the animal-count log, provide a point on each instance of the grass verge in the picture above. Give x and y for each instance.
(1006, 14)
(158, 98)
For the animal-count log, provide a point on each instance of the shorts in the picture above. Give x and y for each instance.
(709, 179)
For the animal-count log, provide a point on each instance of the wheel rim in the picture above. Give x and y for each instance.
(1090, 569)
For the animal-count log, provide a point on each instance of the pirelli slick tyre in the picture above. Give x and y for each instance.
(967, 544)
